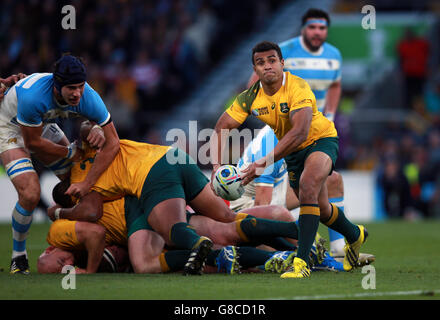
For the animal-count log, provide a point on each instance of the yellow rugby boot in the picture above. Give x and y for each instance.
(300, 270)
(351, 259)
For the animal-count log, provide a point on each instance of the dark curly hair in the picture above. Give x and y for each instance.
(266, 46)
(59, 196)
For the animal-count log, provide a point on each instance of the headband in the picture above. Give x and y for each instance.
(320, 21)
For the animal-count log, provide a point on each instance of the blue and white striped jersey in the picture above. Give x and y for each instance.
(30, 102)
(320, 69)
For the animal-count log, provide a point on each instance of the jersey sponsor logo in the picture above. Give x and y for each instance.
(284, 107)
(12, 140)
(260, 111)
(322, 64)
(57, 113)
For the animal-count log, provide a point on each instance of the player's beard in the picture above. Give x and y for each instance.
(310, 46)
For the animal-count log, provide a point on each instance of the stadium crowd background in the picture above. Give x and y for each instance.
(143, 57)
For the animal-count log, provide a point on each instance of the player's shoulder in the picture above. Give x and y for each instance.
(35, 88)
(331, 51)
(247, 97)
(295, 81)
(35, 82)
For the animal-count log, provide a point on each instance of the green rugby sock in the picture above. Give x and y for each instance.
(254, 229)
(173, 260)
(308, 226)
(341, 224)
(183, 235)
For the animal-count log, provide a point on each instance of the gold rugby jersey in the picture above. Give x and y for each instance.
(128, 171)
(274, 110)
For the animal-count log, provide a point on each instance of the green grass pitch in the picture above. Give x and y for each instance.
(407, 267)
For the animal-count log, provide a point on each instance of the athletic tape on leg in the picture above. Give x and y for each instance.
(19, 166)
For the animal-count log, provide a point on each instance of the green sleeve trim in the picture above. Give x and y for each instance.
(246, 98)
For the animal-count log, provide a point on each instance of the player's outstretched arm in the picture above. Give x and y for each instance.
(219, 138)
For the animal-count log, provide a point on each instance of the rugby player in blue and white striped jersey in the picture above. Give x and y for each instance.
(27, 113)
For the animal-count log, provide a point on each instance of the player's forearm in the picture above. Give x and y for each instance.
(95, 249)
(219, 138)
(332, 99)
(92, 236)
(46, 147)
(79, 213)
(217, 144)
(300, 120)
(289, 143)
(88, 209)
(102, 161)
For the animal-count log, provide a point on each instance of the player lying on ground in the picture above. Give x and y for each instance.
(112, 214)
(90, 247)
(163, 194)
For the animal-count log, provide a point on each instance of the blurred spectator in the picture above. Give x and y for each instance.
(413, 52)
(432, 96)
(147, 75)
(397, 196)
(412, 161)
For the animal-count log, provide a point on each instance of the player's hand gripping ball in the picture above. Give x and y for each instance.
(227, 183)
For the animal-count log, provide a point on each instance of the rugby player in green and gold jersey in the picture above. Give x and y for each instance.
(308, 141)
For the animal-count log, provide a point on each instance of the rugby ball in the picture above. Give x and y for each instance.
(227, 183)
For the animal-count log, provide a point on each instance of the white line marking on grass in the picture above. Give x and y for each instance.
(363, 295)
